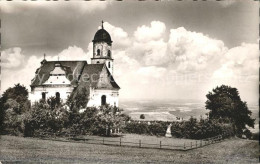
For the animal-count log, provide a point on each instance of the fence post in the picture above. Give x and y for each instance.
(200, 143)
(160, 144)
(190, 144)
(196, 143)
(184, 146)
(103, 141)
(120, 141)
(139, 143)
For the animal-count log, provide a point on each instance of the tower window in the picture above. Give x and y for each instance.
(98, 52)
(108, 64)
(109, 53)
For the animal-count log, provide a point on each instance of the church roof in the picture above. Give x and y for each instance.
(102, 35)
(78, 72)
(91, 75)
(43, 73)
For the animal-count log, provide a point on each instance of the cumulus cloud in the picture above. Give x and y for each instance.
(193, 51)
(239, 62)
(24, 75)
(119, 37)
(72, 53)
(154, 32)
(12, 58)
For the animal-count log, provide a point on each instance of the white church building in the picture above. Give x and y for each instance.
(60, 79)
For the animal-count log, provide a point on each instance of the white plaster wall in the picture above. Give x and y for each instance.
(57, 80)
(64, 91)
(95, 97)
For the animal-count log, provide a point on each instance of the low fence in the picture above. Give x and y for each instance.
(119, 141)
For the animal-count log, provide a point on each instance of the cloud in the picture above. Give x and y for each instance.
(71, 53)
(239, 62)
(154, 32)
(119, 36)
(193, 51)
(12, 58)
(24, 75)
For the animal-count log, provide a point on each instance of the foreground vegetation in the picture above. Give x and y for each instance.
(228, 115)
(31, 150)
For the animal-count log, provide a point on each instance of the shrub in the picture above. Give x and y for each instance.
(142, 116)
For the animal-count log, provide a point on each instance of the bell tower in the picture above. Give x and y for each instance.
(102, 49)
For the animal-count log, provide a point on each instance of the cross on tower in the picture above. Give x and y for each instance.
(102, 24)
(44, 56)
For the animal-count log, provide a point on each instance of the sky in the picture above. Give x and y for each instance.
(161, 50)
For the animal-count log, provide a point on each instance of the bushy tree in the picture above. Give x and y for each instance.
(17, 95)
(44, 118)
(78, 99)
(13, 104)
(225, 103)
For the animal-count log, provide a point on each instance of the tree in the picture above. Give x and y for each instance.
(16, 95)
(78, 99)
(13, 103)
(224, 103)
(142, 116)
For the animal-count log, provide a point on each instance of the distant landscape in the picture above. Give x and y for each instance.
(168, 110)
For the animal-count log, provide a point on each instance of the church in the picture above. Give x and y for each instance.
(60, 79)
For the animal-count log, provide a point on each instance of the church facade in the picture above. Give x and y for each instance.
(61, 79)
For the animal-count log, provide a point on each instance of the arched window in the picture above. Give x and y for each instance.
(108, 64)
(109, 53)
(103, 100)
(43, 96)
(58, 97)
(98, 52)
(97, 62)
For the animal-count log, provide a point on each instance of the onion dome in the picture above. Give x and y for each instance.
(102, 35)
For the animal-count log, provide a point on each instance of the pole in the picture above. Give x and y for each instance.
(139, 143)
(160, 144)
(120, 141)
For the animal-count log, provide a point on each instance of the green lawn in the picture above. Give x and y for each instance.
(31, 150)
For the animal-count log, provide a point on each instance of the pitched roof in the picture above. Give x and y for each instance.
(71, 68)
(91, 75)
(79, 73)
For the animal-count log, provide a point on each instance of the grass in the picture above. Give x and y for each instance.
(146, 141)
(31, 150)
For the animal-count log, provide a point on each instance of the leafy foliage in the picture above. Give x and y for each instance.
(153, 128)
(78, 100)
(13, 104)
(191, 129)
(225, 103)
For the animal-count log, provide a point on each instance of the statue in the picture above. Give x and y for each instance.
(168, 131)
